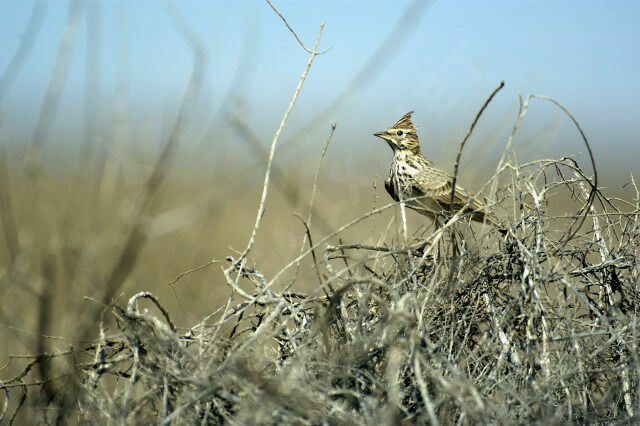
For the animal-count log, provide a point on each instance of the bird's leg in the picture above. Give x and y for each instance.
(454, 243)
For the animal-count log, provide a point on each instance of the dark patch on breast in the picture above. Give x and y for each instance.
(391, 189)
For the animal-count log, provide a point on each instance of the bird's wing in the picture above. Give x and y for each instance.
(436, 184)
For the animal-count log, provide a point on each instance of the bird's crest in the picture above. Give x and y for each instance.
(405, 123)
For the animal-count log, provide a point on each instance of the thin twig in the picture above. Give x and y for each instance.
(56, 82)
(383, 56)
(294, 33)
(28, 37)
(267, 175)
(197, 268)
(313, 252)
(464, 140)
(594, 184)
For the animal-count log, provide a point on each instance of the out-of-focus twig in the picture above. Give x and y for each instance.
(137, 238)
(280, 178)
(24, 48)
(242, 76)
(56, 82)
(7, 218)
(92, 85)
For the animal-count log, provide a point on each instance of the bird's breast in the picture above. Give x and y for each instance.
(400, 177)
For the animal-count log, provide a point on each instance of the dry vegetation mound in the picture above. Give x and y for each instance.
(540, 324)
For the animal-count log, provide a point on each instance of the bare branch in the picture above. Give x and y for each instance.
(294, 33)
(265, 186)
(464, 140)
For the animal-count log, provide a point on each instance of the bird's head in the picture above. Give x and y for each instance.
(402, 135)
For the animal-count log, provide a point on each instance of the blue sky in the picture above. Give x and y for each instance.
(583, 53)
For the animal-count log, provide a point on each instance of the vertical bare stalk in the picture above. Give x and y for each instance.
(265, 186)
(307, 223)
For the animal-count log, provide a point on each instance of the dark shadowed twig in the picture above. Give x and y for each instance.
(44, 324)
(5, 406)
(197, 268)
(313, 252)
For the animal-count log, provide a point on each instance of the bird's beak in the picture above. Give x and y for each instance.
(382, 135)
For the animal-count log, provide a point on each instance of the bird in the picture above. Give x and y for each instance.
(423, 186)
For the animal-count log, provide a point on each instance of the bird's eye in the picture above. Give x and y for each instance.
(399, 133)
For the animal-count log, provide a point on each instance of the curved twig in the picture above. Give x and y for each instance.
(594, 184)
(313, 252)
(294, 33)
(464, 140)
(147, 295)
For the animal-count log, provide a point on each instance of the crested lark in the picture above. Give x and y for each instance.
(425, 187)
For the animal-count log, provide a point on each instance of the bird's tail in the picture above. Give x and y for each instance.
(491, 219)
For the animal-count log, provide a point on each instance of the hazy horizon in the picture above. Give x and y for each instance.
(446, 58)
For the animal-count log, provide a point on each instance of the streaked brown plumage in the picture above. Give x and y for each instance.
(412, 175)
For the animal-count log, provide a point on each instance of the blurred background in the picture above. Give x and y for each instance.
(133, 135)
